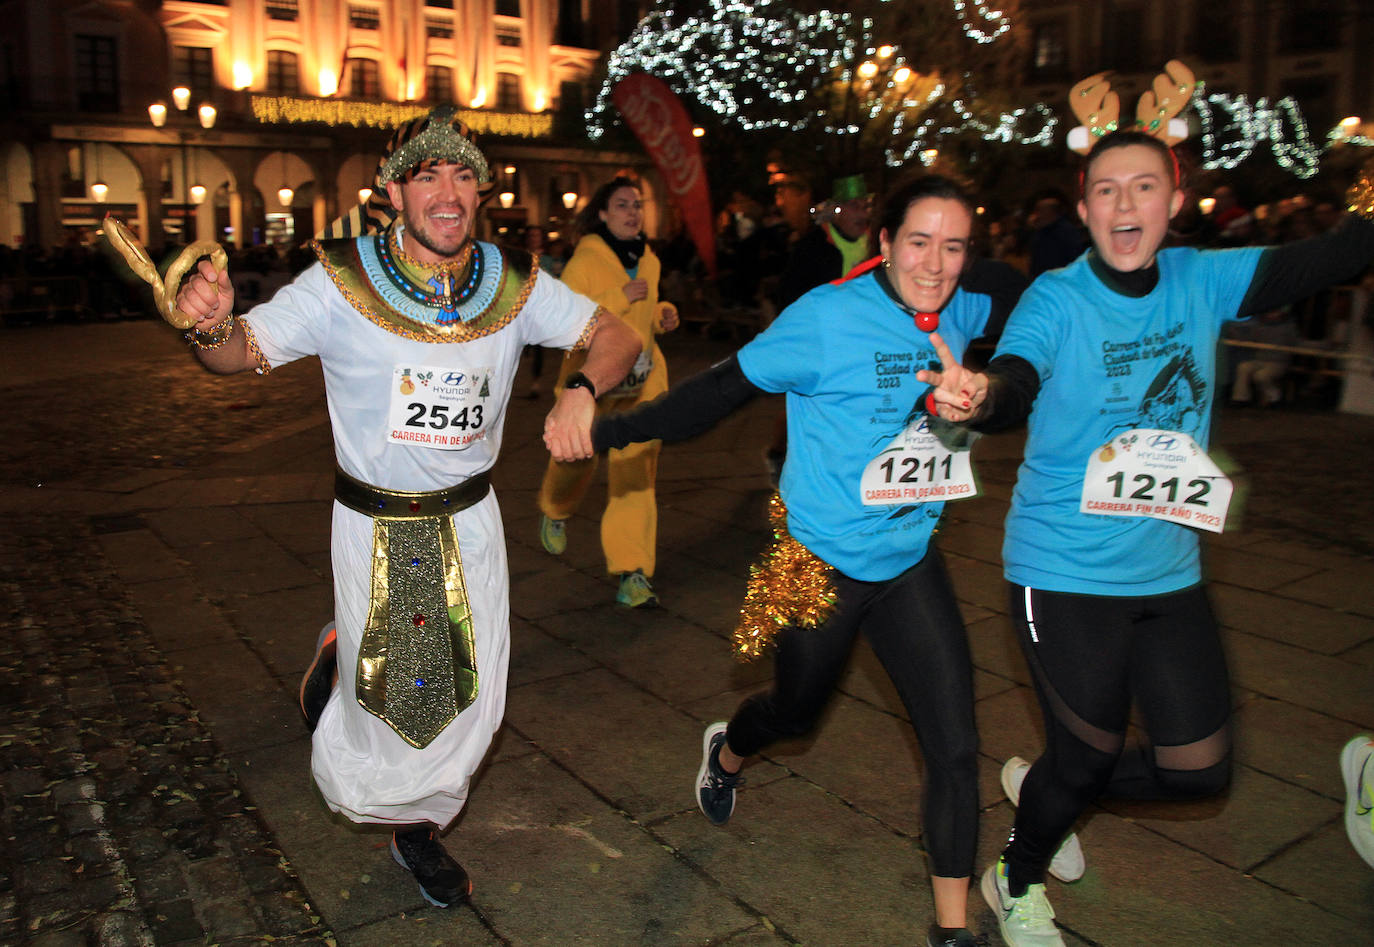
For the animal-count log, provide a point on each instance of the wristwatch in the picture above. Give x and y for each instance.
(579, 380)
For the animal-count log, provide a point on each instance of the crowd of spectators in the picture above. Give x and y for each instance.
(80, 281)
(754, 243)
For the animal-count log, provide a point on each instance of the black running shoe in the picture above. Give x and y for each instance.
(442, 880)
(715, 787)
(318, 682)
(953, 937)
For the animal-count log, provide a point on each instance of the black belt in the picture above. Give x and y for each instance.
(404, 504)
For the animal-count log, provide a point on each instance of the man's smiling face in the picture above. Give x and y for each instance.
(437, 203)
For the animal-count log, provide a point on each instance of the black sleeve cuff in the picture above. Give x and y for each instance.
(1013, 384)
(690, 408)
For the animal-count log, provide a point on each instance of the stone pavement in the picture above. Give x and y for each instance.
(165, 568)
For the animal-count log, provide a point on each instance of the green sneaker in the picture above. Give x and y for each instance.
(553, 535)
(635, 590)
(1027, 921)
(1357, 765)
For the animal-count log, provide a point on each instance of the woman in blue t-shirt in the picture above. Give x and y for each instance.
(1112, 360)
(860, 494)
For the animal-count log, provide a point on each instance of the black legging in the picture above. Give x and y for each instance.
(1090, 655)
(913, 623)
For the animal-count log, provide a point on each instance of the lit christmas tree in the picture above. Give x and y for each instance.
(879, 83)
(886, 83)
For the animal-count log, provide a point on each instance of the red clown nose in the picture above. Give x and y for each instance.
(927, 321)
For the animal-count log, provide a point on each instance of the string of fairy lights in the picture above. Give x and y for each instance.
(757, 65)
(736, 56)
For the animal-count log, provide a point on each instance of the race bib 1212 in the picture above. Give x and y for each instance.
(1164, 475)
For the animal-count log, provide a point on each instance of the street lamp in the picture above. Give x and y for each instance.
(99, 188)
(206, 114)
(284, 193)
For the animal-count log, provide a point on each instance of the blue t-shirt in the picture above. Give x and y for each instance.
(846, 356)
(1109, 363)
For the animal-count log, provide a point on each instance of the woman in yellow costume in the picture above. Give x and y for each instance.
(614, 266)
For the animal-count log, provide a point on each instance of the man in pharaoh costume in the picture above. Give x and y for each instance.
(419, 329)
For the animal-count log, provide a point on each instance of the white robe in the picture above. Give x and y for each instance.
(363, 768)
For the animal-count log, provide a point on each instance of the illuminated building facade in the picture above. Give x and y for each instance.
(251, 121)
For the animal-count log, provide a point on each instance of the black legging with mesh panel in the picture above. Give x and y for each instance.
(1091, 656)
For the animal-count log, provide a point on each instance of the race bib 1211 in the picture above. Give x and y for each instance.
(915, 467)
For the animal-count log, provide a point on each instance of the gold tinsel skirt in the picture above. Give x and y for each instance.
(788, 586)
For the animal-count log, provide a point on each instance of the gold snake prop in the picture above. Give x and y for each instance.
(164, 288)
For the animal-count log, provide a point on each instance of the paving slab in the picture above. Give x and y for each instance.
(203, 554)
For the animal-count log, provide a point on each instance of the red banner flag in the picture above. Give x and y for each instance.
(662, 125)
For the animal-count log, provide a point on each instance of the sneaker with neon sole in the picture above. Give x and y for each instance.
(1027, 921)
(1068, 863)
(553, 535)
(636, 591)
(1357, 766)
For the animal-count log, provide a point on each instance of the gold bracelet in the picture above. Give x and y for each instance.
(218, 335)
(1360, 198)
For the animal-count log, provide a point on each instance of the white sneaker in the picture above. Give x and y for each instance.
(1027, 921)
(1068, 863)
(1357, 765)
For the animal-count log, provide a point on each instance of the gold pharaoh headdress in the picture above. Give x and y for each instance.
(438, 136)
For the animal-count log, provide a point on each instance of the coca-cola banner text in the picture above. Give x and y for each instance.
(661, 124)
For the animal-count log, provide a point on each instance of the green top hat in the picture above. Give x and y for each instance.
(849, 188)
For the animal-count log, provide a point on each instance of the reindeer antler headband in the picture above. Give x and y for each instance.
(1099, 108)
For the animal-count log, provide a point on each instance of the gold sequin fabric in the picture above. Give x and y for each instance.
(1359, 199)
(439, 136)
(417, 667)
(790, 586)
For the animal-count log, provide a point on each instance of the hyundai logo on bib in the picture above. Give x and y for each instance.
(453, 378)
(1162, 442)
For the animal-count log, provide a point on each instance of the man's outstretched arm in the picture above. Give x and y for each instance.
(611, 353)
